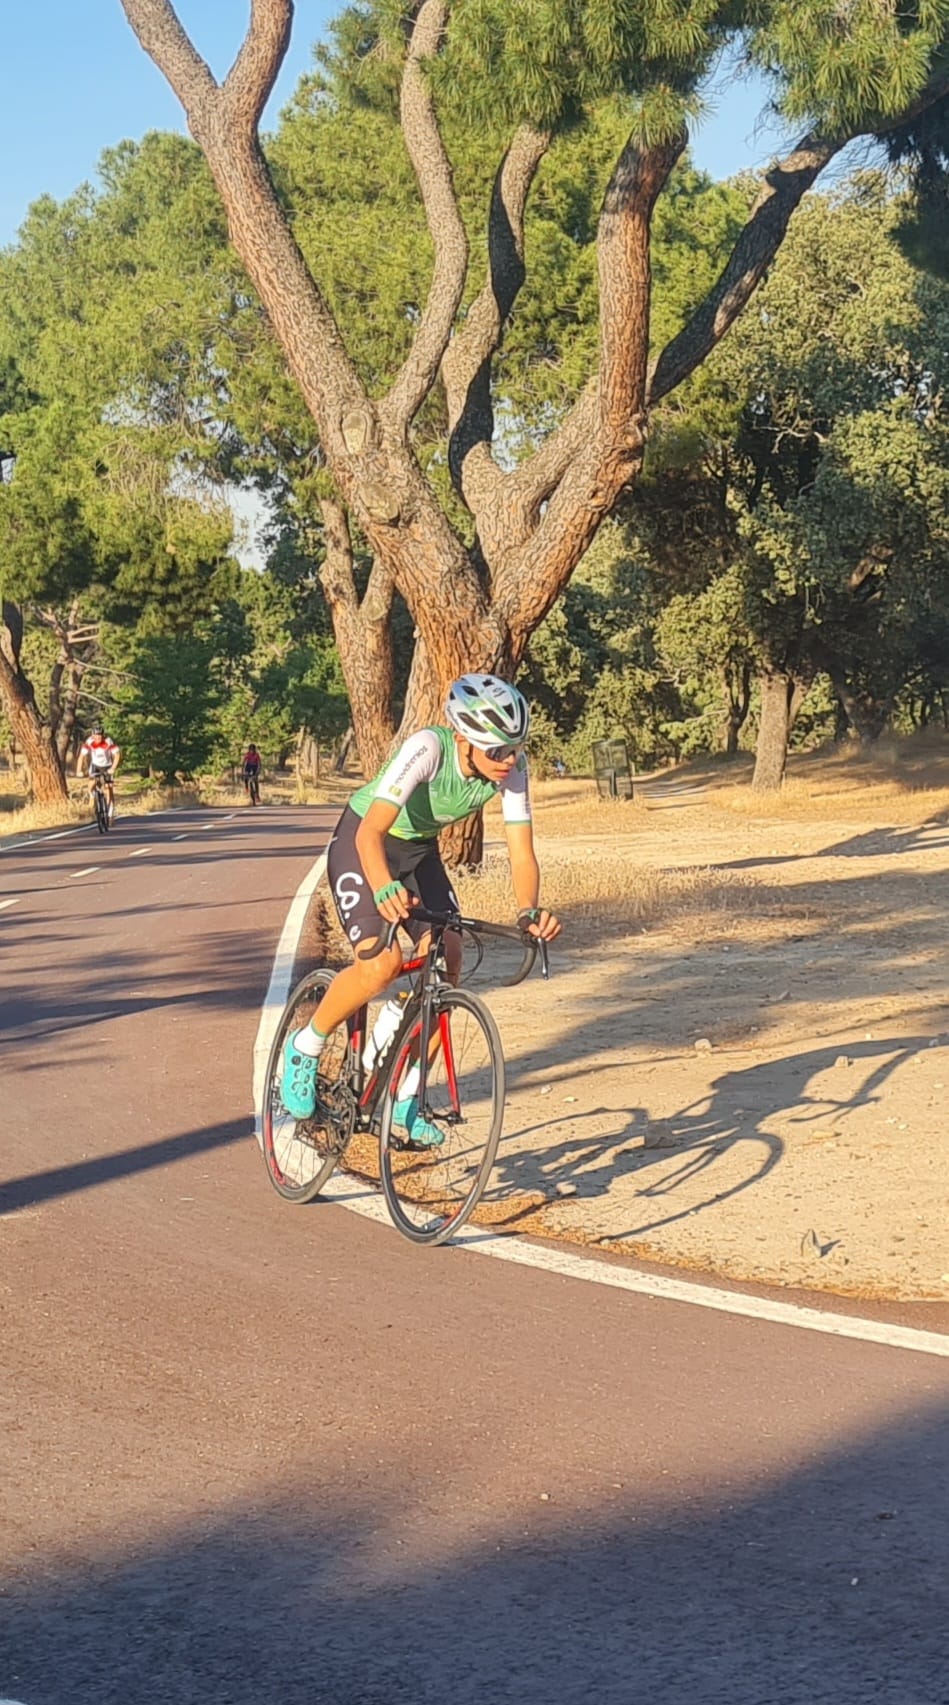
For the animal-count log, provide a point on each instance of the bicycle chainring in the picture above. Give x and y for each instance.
(339, 1104)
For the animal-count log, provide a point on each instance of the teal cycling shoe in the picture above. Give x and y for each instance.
(417, 1128)
(298, 1081)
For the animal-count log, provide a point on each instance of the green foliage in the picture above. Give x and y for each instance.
(165, 713)
(922, 148)
(849, 63)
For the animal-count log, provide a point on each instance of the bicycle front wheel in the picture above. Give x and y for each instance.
(301, 1154)
(102, 811)
(432, 1188)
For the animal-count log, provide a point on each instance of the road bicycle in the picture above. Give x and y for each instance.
(444, 1058)
(252, 784)
(100, 802)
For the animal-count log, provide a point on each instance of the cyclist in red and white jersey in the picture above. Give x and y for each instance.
(103, 757)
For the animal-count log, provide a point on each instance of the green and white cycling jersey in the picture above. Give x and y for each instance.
(424, 779)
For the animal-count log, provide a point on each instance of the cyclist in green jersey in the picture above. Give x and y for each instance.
(383, 860)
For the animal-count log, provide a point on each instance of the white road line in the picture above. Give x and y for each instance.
(3, 906)
(477, 1240)
(280, 978)
(362, 1199)
(88, 872)
(84, 828)
(142, 851)
(183, 837)
(60, 835)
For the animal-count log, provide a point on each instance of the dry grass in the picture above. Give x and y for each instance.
(281, 790)
(897, 780)
(20, 818)
(608, 894)
(601, 897)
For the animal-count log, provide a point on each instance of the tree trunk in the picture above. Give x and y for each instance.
(771, 752)
(307, 762)
(65, 688)
(344, 750)
(32, 734)
(739, 702)
(363, 632)
(462, 844)
(860, 711)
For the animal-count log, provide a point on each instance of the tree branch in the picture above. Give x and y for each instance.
(625, 287)
(249, 82)
(433, 173)
(156, 24)
(466, 367)
(785, 184)
(600, 446)
(257, 227)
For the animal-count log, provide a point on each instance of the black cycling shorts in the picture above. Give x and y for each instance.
(416, 864)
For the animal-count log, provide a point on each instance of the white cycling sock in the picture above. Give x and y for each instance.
(409, 1084)
(309, 1041)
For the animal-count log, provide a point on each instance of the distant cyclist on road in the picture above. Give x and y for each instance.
(103, 757)
(250, 767)
(383, 859)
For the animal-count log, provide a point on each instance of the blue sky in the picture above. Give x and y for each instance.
(73, 81)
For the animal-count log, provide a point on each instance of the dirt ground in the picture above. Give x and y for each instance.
(755, 1087)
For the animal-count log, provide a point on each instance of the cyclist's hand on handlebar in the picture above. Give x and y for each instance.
(397, 906)
(538, 921)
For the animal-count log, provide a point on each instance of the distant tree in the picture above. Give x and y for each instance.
(97, 516)
(166, 710)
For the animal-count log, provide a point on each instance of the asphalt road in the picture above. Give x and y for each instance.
(255, 1452)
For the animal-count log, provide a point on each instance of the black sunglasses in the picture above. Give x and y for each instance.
(498, 754)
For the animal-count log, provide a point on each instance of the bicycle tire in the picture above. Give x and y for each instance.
(432, 1193)
(101, 807)
(301, 1162)
(254, 791)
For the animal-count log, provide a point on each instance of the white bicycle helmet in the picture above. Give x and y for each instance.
(488, 711)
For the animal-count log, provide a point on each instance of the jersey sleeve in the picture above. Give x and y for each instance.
(516, 794)
(415, 762)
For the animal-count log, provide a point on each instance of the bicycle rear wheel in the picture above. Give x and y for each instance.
(430, 1191)
(301, 1154)
(102, 811)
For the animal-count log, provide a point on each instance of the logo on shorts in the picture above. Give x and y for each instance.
(348, 897)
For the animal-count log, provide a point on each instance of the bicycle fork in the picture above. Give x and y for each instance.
(421, 1046)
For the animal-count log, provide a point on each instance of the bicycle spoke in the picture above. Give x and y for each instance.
(431, 1188)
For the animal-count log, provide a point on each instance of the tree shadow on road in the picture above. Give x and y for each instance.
(94, 1170)
(828, 1583)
